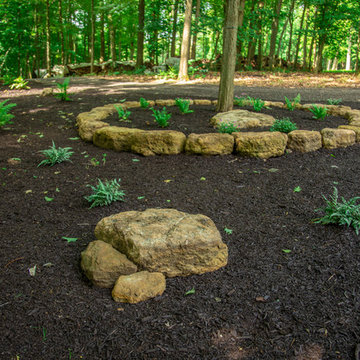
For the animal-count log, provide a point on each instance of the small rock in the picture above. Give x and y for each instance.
(47, 92)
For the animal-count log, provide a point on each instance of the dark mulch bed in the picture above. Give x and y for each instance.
(265, 304)
(198, 121)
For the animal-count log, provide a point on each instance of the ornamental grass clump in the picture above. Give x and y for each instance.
(319, 112)
(123, 113)
(161, 117)
(340, 213)
(284, 125)
(5, 117)
(183, 106)
(257, 104)
(291, 104)
(227, 128)
(56, 155)
(105, 193)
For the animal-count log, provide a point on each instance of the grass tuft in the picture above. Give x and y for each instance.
(56, 155)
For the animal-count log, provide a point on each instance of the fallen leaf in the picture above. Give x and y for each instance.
(167, 181)
(48, 199)
(260, 299)
(28, 191)
(69, 240)
(190, 292)
(286, 251)
(32, 271)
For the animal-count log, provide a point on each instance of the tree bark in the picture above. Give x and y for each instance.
(299, 36)
(357, 67)
(348, 55)
(197, 14)
(306, 38)
(173, 36)
(274, 32)
(226, 88)
(102, 36)
(260, 35)
(252, 42)
(239, 43)
(61, 34)
(278, 51)
(112, 40)
(183, 68)
(140, 34)
(48, 57)
(291, 22)
(92, 42)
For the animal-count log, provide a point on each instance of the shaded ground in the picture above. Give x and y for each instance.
(266, 304)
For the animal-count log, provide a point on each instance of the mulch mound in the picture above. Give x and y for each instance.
(289, 291)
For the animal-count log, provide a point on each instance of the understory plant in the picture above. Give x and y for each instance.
(340, 213)
(257, 104)
(241, 101)
(284, 125)
(63, 95)
(334, 101)
(291, 104)
(18, 84)
(183, 106)
(162, 117)
(105, 193)
(144, 103)
(319, 112)
(123, 113)
(227, 128)
(56, 155)
(5, 117)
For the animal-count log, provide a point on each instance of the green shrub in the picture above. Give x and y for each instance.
(63, 95)
(183, 105)
(144, 103)
(56, 155)
(161, 117)
(5, 117)
(319, 112)
(123, 113)
(291, 104)
(105, 193)
(18, 84)
(257, 104)
(334, 101)
(284, 125)
(227, 128)
(340, 213)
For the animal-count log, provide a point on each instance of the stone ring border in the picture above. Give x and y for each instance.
(93, 128)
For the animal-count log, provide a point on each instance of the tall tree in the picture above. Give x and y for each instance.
(226, 88)
(62, 45)
(193, 46)
(174, 28)
(92, 43)
(183, 68)
(48, 44)
(299, 35)
(274, 32)
(140, 34)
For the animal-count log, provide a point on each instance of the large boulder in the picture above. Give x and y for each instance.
(304, 140)
(209, 144)
(158, 142)
(165, 240)
(260, 144)
(242, 119)
(138, 287)
(335, 138)
(102, 264)
(88, 128)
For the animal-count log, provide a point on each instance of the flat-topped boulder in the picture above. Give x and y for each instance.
(304, 140)
(165, 240)
(335, 138)
(209, 144)
(242, 119)
(264, 144)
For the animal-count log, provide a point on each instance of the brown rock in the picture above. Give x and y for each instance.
(304, 140)
(87, 128)
(335, 138)
(138, 287)
(354, 128)
(47, 92)
(102, 264)
(209, 144)
(165, 240)
(202, 102)
(163, 102)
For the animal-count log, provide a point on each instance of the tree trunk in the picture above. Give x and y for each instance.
(197, 13)
(48, 58)
(306, 38)
(260, 36)
(61, 34)
(252, 42)
(140, 34)
(173, 36)
(102, 36)
(335, 64)
(226, 88)
(291, 22)
(299, 36)
(240, 25)
(183, 68)
(92, 42)
(281, 39)
(112, 40)
(348, 55)
(357, 67)
(274, 32)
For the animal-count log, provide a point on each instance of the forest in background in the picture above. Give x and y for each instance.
(310, 35)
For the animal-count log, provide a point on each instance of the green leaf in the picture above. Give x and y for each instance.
(228, 231)
(190, 292)
(48, 199)
(140, 197)
(202, 178)
(69, 240)
(74, 138)
(297, 189)
(286, 251)
(135, 160)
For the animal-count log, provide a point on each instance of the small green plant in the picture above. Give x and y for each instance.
(63, 95)
(5, 117)
(319, 112)
(56, 155)
(19, 84)
(162, 117)
(291, 104)
(297, 189)
(104, 159)
(94, 162)
(257, 104)
(340, 213)
(284, 125)
(227, 128)
(105, 193)
(228, 231)
(241, 101)
(334, 101)
(183, 106)
(123, 114)
(144, 103)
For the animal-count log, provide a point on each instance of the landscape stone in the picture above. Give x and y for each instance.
(304, 140)
(47, 92)
(335, 138)
(354, 128)
(165, 240)
(114, 138)
(102, 264)
(138, 287)
(339, 110)
(264, 144)
(158, 142)
(161, 102)
(202, 102)
(242, 119)
(88, 127)
(209, 144)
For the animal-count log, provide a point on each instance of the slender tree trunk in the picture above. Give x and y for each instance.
(36, 42)
(217, 37)
(357, 67)
(322, 40)
(173, 35)
(48, 58)
(92, 45)
(183, 68)
(299, 36)
(252, 42)
(71, 45)
(348, 55)
(112, 40)
(278, 51)
(102, 36)
(61, 34)
(306, 39)
(335, 63)
(291, 22)
(274, 32)
(239, 43)
(140, 34)
(260, 35)
(226, 88)
(197, 13)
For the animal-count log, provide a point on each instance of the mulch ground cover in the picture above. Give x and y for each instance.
(290, 290)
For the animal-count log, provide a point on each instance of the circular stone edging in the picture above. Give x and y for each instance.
(93, 128)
